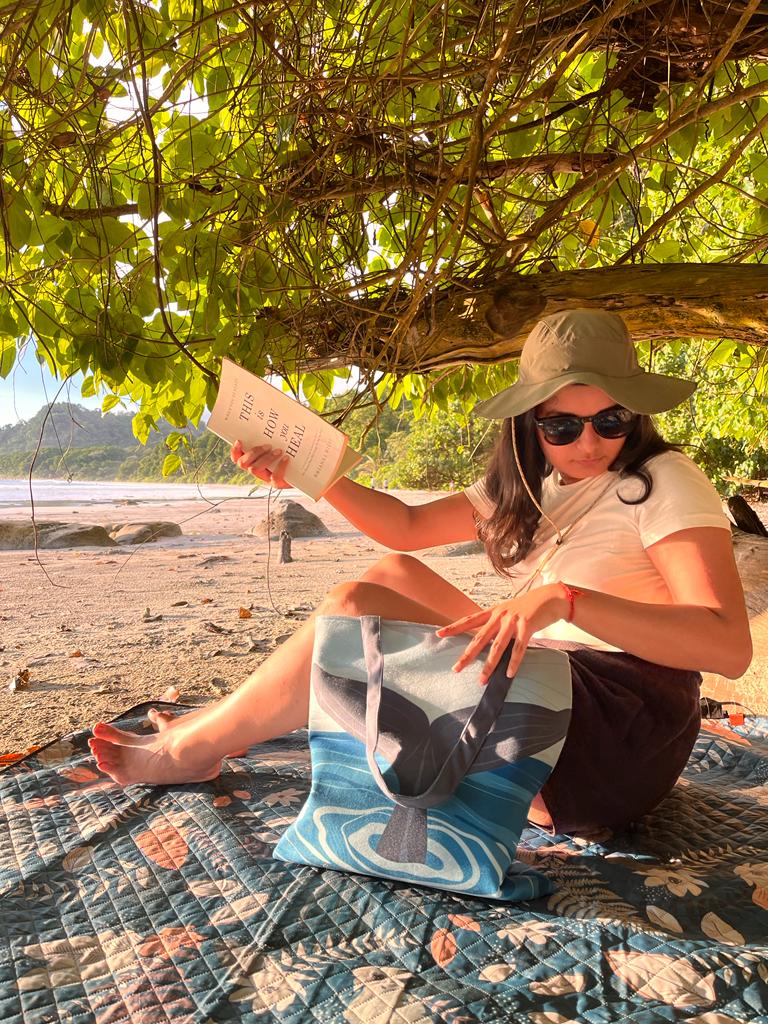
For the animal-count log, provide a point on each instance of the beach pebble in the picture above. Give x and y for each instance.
(256, 644)
(20, 681)
(213, 628)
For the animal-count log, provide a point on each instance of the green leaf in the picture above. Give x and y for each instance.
(171, 464)
(173, 440)
(19, 222)
(8, 323)
(109, 402)
(118, 235)
(653, 184)
(142, 424)
(685, 139)
(144, 198)
(7, 355)
(88, 387)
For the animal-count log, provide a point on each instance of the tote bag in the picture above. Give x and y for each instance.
(419, 773)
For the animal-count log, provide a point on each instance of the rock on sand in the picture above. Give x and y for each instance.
(294, 518)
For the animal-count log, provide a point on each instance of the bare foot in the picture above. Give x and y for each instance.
(155, 760)
(162, 720)
(165, 720)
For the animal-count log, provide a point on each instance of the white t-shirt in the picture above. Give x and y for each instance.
(606, 549)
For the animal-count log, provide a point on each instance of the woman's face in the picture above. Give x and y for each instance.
(589, 455)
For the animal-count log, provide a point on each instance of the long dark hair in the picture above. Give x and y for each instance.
(508, 534)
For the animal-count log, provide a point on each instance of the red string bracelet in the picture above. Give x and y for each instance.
(571, 594)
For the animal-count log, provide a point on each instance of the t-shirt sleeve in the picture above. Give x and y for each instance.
(682, 497)
(478, 496)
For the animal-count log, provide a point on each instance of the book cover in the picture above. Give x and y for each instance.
(255, 412)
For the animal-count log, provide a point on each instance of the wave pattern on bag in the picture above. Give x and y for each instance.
(458, 763)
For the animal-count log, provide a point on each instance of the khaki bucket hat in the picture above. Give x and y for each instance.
(584, 346)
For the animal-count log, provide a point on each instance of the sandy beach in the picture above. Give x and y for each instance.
(102, 629)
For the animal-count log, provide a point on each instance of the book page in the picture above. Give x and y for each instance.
(249, 409)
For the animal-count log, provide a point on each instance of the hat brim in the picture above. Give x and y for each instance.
(644, 392)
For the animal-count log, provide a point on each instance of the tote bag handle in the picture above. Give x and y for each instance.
(469, 744)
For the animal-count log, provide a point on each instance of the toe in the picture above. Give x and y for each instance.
(105, 753)
(160, 719)
(104, 731)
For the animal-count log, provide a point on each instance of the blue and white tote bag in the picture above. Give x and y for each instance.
(419, 773)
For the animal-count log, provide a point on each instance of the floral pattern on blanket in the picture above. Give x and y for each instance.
(161, 904)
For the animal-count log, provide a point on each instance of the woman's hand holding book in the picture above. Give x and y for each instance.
(262, 461)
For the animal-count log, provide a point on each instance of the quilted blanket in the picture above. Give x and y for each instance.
(164, 904)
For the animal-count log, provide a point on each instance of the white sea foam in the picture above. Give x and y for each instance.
(16, 493)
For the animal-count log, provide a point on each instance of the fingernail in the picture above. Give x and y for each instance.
(277, 451)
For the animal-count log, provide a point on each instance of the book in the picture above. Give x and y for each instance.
(253, 411)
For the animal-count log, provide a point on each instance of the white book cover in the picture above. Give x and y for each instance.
(254, 412)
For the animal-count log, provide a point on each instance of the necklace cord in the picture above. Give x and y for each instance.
(527, 486)
(561, 534)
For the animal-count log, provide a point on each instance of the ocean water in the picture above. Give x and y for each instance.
(16, 493)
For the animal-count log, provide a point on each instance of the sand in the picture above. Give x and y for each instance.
(103, 629)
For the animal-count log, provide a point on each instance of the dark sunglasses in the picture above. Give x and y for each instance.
(610, 423)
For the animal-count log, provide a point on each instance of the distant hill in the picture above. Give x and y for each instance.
(72, 426)
(83, 444)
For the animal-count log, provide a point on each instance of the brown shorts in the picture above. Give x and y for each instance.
(632, 729)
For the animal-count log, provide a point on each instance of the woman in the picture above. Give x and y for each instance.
(617, 547)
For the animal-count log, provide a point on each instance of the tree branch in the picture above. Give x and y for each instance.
(487, 323)
(95, 213)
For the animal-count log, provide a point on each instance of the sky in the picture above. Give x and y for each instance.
(30, 386)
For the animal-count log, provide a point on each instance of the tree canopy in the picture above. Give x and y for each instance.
(403, 188)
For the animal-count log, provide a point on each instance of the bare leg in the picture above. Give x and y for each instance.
(404, 574)
(272, 701)
(413, 579)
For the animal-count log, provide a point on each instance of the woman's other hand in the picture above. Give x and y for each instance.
(517, 619)
(263, 461)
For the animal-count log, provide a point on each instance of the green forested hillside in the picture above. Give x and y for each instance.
(68, 426)
(83, 444)
(401, 447)
(414, 446)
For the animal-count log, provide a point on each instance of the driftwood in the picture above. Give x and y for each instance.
(745, 516)
(285, 547)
